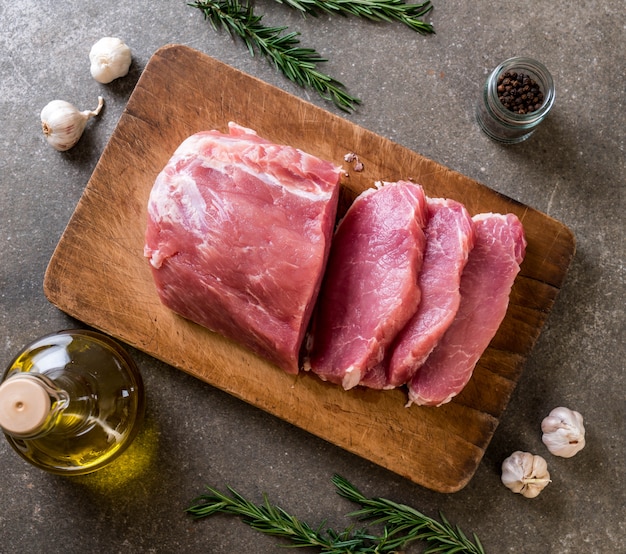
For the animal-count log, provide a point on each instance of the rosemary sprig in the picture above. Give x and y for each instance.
(402, 524)
(274, 521)
(401, 518)
(297, 63)
(374, 10)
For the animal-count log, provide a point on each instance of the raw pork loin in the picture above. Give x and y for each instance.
(370, 288)
(238, 236)
(449, 240)
(485, 288)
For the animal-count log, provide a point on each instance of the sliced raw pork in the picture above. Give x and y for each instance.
(370, 289)
(485, 288)
(238, 236)
(449, 240)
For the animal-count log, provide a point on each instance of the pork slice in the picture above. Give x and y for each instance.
(485, 287)
(370, 288)
(238, 236)
(449, 240)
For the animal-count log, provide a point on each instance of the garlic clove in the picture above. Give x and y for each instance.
(563, 432)
(110, 59)
(525, 473)
(63, 124)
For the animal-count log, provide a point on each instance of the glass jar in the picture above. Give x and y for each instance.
(502, 124)
(71, 402)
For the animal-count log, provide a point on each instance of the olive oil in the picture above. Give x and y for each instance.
(71, 402)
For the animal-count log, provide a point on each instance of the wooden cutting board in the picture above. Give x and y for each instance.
(98, 274)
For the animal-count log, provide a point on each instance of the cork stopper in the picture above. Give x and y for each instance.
(24, 405)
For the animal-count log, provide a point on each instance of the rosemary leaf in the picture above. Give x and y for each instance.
(298, 64)
(374, 10)
(402, 524)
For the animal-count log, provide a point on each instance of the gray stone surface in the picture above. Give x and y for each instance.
(420, 92)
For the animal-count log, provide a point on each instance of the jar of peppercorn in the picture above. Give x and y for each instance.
(517, 96)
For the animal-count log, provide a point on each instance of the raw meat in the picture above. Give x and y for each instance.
(370, 289)
(238, 236)
(449, 239)
(485, 288)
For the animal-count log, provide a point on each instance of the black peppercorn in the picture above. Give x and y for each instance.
(519, 93)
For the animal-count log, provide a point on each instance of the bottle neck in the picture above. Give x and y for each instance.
(33, 405)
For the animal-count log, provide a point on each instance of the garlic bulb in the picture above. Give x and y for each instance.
(563, 432)
(110, 58)
(63, 124)
(525, 473)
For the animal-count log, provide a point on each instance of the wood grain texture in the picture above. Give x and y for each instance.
(98, 274)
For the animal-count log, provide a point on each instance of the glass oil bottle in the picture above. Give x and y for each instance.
(71, 402)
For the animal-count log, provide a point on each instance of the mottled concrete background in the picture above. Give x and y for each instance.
(419, 91)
